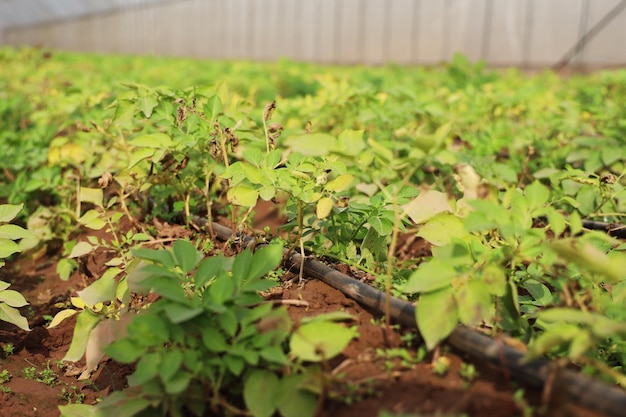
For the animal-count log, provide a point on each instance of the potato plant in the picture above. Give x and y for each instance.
(497, 171)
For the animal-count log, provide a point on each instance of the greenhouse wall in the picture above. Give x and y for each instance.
(526, 33)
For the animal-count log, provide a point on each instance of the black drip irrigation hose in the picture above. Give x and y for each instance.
(593, 394)
(612, 229)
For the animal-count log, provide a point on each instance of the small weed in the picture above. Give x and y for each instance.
(522, 404)
(72, 395)
(30, 373)
(468, 372)
(6, 390)
(5, 376)
(403, 356)
(8, 349)
(47, 376)
(441, 366)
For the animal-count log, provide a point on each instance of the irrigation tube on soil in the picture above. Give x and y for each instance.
(594, 395)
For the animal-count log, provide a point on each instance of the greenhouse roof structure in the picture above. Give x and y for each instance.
(18, 13)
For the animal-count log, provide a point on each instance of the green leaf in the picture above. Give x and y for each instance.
(437, 316)
(179, 383)
(13, 316)
(556, 221)
(213, 340)
(293, 399)
(91, 195)
(267, 192)
(494, 277)
(274, 354)
(9, 211)
(208, 269)
(591, 258)
(124, 113)
(264, 261)
(153, 141)
(474, 303)
(186, 255)
(312, 144)
(430, 276)
(235, 364)
(213, 107)
(442, 229)
(93, 220)
(14, 232)
(319, 341)
(139, 155)
(228, 322)
(575, 224)
(85, 322)
(103, 289)
(556, 335)
(254, 156)
(537, 195)
(65, 267)
(172, 359)
(147, 368)
(351, 142)
(8, 248)
(118, 405)
(167, 288)
(273, 158)
(12, 298)
(147, 105)
(222, 289)
(540, 293)
(161, 256)
(179, 313)
(243, 195)
(260, 391)
(80, 410)
(124, 351)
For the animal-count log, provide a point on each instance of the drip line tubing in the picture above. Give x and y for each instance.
(581, 389)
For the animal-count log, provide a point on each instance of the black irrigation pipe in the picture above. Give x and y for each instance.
(586, 391)
(612, 229)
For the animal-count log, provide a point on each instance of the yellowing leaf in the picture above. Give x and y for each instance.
(427, 205)
(80, 249)
(441, 229)
(340, 183)
(319, 341)
(324, 206)
(60, 316)
(91, 195)
(70, 152)
(243, 196)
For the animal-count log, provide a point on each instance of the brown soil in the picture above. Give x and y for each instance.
(407, 389)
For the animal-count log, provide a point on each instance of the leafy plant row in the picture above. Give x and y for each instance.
(495, 170)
